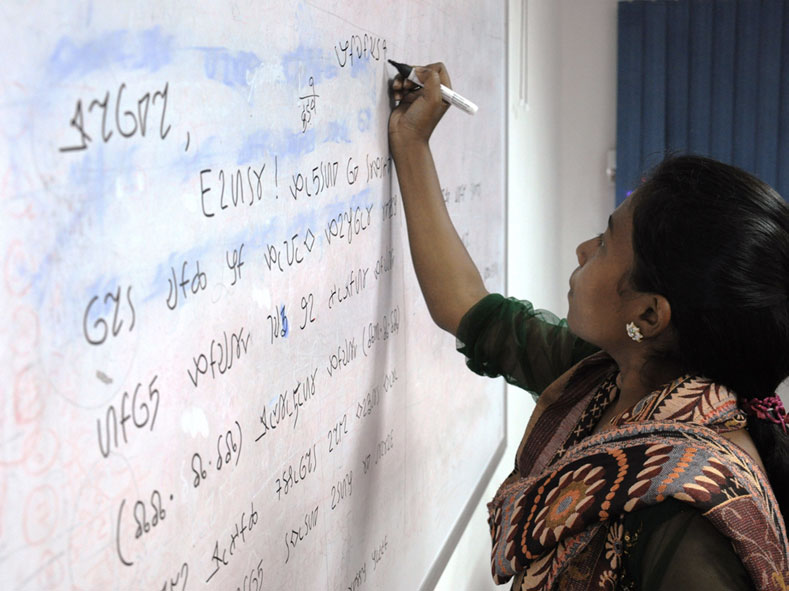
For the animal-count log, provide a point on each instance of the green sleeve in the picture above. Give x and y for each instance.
(507, 337)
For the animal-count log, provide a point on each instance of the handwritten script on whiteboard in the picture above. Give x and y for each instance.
(218, 371)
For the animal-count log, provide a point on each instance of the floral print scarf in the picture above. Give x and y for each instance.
(560, 511)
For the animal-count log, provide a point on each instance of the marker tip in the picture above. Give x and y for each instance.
(404, 69)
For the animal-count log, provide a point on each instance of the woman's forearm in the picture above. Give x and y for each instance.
(449, 279)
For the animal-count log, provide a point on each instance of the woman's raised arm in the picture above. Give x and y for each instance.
(449, 279)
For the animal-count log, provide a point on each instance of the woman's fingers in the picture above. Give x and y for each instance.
(399, 83)
(402, 87)
(410, 97)
(432, 78)
(433, 74)
(443, 75)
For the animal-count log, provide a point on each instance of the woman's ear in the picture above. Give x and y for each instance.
(655, 317)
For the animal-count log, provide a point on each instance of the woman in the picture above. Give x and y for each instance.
(658, 454)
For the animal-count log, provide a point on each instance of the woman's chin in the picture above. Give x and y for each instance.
(569, 319)
(572, 324)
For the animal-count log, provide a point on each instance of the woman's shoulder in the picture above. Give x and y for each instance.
(744, 441)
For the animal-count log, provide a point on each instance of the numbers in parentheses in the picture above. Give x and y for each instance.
(147, 516)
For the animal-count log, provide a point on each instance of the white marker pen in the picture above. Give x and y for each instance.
(449, 95)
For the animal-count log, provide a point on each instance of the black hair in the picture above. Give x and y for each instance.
(714, 241)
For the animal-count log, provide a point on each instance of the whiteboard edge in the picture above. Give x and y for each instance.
(450, 542)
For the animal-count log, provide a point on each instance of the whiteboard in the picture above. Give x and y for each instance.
(218, 371)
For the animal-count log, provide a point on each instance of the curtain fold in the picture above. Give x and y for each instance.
(707, 77)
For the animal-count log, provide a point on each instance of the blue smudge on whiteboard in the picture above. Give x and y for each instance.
(303, 220)
(257, 144)
(337, 131)
(148, 49)
(95, 173)
(361, 199)
(363, 119)
(298, 143)
(359, 68)
(264, 143)
(229, 67)
(303, 62)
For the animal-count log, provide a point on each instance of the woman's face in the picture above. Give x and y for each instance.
(598, 311)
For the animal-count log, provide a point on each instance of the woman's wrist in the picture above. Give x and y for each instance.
(405, 151)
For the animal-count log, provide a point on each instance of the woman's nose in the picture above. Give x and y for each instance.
(580, 253)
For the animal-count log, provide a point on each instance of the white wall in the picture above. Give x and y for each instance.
(587, 124)
(557, 190)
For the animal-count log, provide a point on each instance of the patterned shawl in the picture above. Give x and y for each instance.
(561, 506)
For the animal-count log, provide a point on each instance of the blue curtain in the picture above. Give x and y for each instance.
(707, 77)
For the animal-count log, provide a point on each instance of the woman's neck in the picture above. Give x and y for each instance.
(641, 377)
(634, 384)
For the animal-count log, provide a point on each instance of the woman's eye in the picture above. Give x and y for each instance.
(600, 241)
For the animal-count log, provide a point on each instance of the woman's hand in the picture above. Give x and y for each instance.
(420, 109)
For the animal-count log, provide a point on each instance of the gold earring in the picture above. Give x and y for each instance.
(634, 332)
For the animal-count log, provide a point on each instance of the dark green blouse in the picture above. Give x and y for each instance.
(667, 547)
